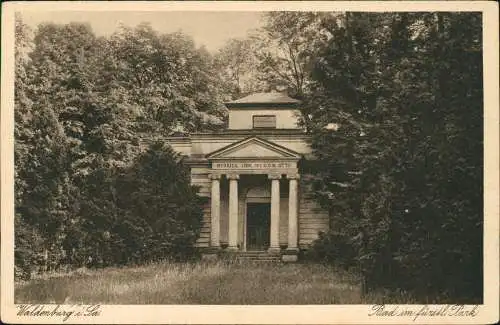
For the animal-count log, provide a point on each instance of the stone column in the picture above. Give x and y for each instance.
(292, 212)
(274, 246)
(233, 211)
(215, 211)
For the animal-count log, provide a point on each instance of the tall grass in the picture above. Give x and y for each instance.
(221, 282)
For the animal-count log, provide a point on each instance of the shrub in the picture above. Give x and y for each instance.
(27, 255)
(333, 247)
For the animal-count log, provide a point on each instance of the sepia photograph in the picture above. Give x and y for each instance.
(264, 157)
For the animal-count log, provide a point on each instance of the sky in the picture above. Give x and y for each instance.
(211, 29)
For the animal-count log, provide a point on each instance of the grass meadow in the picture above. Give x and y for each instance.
(219, 283)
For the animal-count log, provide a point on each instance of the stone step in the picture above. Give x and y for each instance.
(259, 259)
(257, 256)
(254, 253)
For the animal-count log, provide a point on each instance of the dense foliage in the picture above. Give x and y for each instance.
(402, 174)
(88, 112)
(147, 211)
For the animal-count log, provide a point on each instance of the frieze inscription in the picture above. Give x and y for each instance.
(254, 165)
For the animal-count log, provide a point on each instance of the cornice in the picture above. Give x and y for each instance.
(240, 134)
(255, 131)
(259, 106)
(186, 139)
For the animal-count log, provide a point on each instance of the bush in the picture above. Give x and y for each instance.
(333, 247)
(146, 212)
(27, 255)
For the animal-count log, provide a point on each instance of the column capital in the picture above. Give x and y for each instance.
(274, 176)
(214, 176)
(233, 176)
(293, 176)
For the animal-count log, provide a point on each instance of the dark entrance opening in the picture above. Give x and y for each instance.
(258, 226)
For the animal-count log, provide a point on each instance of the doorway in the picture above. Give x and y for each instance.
(258, 226)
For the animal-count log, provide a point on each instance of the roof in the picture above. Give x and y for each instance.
(272, 98)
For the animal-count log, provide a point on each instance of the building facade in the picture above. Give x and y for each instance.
(258, 199)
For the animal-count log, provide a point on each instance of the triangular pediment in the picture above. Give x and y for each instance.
(253, 147)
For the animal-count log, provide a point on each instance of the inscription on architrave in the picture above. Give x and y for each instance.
(253, 165)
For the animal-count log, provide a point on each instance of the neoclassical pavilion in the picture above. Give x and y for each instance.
(259, 202)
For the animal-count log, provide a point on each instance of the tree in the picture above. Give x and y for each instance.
(159, 193)
(397, 88)
(42, 155)
(236, 62)
(86, 110)
(26, 236)
(287, 44)
(167, 80)
(146, 212)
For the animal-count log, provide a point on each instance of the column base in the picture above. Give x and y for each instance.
(210, 253)
(208, 257)
(211, 250)
(289, 258)
(290, 255)
(232, 249)
(274, 250)
(291, 251)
